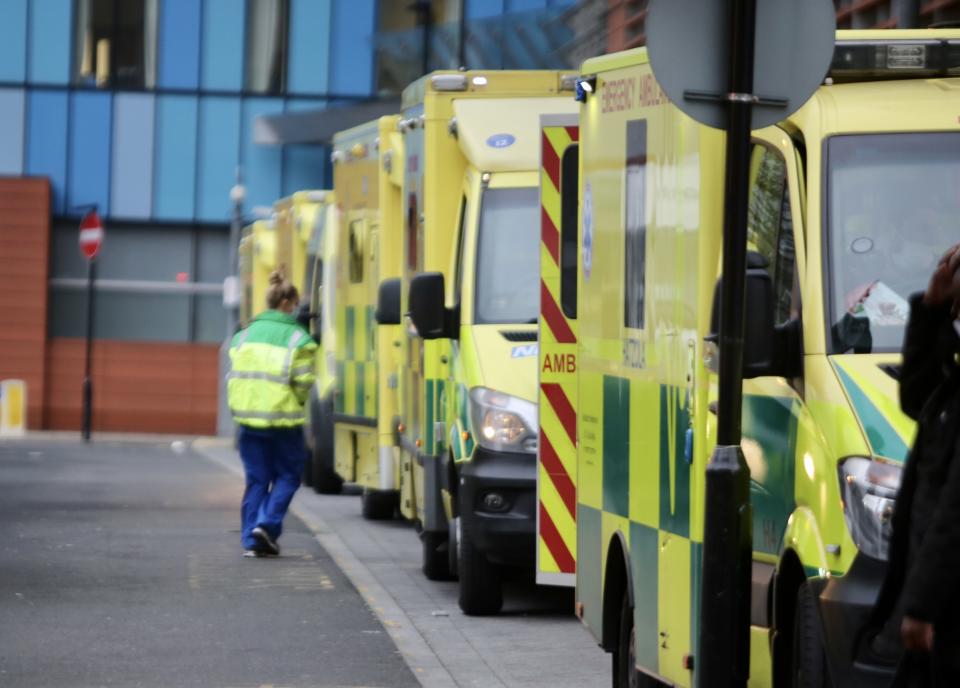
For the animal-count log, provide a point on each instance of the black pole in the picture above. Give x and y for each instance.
(88, 360)
(727, 538)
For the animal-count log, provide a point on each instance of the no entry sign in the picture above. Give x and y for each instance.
(91, 235)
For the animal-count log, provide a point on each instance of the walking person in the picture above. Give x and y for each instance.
(921, 582)
(272, 371)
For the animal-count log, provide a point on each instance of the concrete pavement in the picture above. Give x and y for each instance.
(536, 641)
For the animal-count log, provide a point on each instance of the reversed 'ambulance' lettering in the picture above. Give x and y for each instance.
(559, 363)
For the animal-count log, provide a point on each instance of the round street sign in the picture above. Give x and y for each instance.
(91, 235)
(688, 43)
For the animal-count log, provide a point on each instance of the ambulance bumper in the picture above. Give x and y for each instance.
(497, 498)
(855, 655)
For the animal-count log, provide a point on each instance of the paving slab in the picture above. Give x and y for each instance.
(535, 641)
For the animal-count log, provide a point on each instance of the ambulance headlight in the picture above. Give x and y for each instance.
(869, 490)
(502, 422)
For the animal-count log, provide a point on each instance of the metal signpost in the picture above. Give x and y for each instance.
(91, 238)
(733, 65)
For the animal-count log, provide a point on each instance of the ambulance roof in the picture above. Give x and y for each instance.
(503, 134)
(879, 106)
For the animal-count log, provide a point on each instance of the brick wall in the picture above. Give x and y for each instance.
(24, 247)
(137, 386)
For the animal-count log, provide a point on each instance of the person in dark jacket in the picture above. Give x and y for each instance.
(922, 579)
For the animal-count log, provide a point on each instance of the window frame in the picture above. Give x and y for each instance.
(284, 48)
(147, 80)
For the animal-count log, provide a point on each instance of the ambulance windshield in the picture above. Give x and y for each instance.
(893, 209)
(508, 263)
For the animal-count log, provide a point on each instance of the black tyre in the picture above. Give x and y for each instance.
(436, 561)
(481, 585)
(809, 655)
(324, 478)
(624, 656)
(378, 506)
(453, 548)
(308, 471)
(625, 674)
(325, 481)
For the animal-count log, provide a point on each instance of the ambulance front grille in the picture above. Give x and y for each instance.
(519, 335)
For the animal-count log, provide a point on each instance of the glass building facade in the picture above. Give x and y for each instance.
(147, 109)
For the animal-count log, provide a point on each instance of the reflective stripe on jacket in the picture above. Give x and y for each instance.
(271, 372)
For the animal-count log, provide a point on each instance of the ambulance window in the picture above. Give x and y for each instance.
(635, 227)
(356, 251)
(569, 211)
(508, 257)
(770, 226)
(314, 255)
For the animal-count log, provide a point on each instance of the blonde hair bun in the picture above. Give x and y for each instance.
(280, 290)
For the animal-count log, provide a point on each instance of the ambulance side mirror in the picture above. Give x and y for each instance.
(388, 302)
(427, 307)
(758, 344)
(305, 317)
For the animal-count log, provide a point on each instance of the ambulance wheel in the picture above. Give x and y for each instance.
(325, 479)
(625, 674)
(809, 655)
(307, 477)
(625, 657)
(481, 590)
(453, 546)
(376, 505)
(436, 564)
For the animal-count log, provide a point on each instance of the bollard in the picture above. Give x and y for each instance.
(13, 407)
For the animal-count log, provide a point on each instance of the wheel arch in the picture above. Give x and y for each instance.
(617, 578)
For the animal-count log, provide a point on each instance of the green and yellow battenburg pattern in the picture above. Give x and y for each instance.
(357, 370)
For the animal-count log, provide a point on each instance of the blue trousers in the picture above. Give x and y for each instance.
(273, 461)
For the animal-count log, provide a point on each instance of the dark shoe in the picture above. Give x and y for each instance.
(267, 543)
(253, 554)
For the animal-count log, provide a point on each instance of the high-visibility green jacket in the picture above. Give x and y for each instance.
(271, 372)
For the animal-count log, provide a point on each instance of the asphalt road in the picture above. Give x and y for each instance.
(120, 565)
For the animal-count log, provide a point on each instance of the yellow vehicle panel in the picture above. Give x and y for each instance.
(368, 197)
(651, 206)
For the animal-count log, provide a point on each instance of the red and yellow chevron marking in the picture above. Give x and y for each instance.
(557, 517)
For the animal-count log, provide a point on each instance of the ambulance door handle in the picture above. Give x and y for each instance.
(712, 407)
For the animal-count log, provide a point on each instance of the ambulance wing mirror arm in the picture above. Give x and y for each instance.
(758, 344)
(305, 316)
(388, 302)
(428, 310)
(788, 349)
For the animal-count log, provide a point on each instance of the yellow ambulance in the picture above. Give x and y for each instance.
(299, 221)
(852, 200)
(367, 180)
(468, 412)
(306, 225)
(258, 258)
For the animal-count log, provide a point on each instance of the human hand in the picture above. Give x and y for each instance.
(942, 285)
(917, 635)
